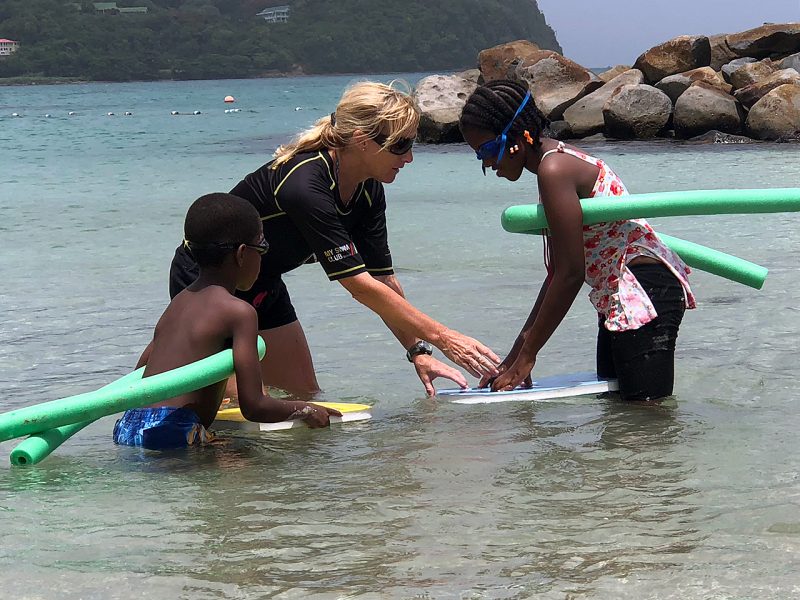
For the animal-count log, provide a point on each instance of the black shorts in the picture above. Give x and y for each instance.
(643, 360)
(268, 295)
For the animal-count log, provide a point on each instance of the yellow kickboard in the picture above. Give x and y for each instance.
(231, 418)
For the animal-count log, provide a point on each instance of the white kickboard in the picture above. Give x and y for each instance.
(546, 388)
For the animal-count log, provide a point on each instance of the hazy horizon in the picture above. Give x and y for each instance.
(602, 34)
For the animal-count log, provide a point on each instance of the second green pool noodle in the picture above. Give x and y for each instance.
(530, 218)
(716, 262)
(40, 445)
(118, 398)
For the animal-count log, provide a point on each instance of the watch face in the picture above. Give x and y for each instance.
(421, 347)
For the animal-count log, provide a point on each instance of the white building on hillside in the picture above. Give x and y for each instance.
(8, 47)
(275, 14)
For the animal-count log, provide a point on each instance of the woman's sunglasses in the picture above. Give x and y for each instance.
(497, 146)
(400, 147)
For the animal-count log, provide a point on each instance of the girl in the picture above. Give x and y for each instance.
(639, 286)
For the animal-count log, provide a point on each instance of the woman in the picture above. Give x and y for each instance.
(322, 199)
(639, 286)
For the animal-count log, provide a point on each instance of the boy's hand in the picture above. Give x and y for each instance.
(316, 416)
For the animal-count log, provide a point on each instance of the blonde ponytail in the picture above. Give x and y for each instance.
(367, 106)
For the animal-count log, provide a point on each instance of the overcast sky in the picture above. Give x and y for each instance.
(599, 33)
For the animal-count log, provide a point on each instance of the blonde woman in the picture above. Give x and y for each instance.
(322, 197)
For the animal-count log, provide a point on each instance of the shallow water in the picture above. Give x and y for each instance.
(576, 498)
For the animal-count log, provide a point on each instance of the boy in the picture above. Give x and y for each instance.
(225, 237)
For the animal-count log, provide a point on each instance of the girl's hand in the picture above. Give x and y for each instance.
(518, 373)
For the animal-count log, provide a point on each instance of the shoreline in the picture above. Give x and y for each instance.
(33, 80)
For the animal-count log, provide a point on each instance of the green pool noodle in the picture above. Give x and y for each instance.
(40, 445)
(118, 398)
(716, 262)
(530, 218)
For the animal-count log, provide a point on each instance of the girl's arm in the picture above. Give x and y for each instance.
(558, 191)
(514, 353)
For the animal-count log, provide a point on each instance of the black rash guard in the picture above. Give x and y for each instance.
(304, 217)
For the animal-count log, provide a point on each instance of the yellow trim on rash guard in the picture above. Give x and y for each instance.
(356, 195)
(268, 217)
(381, 269)
(327, 166)
(294, 168)
(345, 271)
(369, 198)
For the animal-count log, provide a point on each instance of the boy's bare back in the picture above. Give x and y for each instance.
(195, 325)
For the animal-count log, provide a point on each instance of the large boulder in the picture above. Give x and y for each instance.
(730, 67)
(749, 73)
(753, 93)
(677, 55)
(636, 111)
(674, 85)
(555, 82)
(499, 62)
(768, 40)
(718, 137)
(790, 62)
(440, 99)
(721, 54)
(776, 115)
(473, 75)
(608, 75)
(560, 130)
(585, 117)
(704, 107)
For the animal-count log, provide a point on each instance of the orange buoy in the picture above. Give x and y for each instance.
(230, 99)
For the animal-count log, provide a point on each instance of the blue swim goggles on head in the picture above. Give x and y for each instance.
(497, 146)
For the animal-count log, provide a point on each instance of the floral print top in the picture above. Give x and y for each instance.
(609, 247)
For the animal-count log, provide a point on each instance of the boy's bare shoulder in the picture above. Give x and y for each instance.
(213, 303)
(221, 299)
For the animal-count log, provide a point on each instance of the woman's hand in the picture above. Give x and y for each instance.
(469, 353)
(518, 373)
(428, 369)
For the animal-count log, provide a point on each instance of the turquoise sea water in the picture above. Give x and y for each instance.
(578, 498)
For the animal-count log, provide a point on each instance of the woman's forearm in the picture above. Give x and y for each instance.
(405, 338)
(405, 321)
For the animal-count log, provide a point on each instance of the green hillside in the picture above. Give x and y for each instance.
(197, 39)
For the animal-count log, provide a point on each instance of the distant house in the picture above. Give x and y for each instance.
(275, 14)
(112, 8)
(105, 7)
(8, 47)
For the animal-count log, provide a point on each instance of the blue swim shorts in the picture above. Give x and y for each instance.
(160, 427)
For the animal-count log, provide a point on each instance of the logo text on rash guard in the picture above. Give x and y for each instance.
(340, 252)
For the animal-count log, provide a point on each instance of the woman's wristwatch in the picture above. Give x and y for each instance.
(421, 347)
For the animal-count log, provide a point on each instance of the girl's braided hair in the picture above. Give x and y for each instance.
(492, 106)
